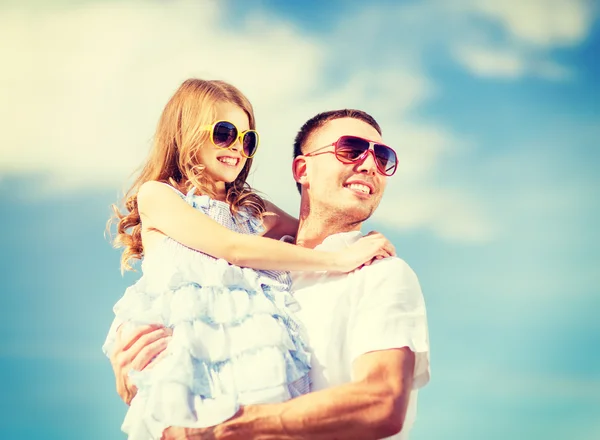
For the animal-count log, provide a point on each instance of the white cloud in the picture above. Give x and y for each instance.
(84, 86)
(508, 63)
(544, 23)
(484, 62)
(529, 31)
(451, 213)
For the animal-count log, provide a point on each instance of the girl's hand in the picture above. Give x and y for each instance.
(372, 246)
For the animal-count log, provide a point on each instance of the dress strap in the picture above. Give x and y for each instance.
(191, 192)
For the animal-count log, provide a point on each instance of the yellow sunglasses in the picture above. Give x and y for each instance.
(224, 134)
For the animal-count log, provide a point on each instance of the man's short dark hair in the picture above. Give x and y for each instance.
(318, 121)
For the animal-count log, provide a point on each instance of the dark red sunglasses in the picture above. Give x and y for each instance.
(354, 149)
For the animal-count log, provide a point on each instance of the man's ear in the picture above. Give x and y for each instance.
(299, 170)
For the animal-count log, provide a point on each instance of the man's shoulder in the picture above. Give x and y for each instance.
(390, 276)
(391, 267)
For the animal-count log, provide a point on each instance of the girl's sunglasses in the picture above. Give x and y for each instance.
(353, 149)
(224, 134)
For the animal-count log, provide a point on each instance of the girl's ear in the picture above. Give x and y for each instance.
(299, 170)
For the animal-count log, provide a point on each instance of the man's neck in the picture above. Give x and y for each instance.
(312, 230)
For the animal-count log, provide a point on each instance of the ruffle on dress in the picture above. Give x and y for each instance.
(235, 340)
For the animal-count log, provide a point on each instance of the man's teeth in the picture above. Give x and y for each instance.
(228, 160)
(358, 187)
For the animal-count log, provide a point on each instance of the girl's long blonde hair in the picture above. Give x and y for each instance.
(173, 158)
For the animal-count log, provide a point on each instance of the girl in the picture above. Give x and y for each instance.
(198, 226)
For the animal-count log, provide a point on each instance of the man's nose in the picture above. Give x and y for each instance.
(368, 164)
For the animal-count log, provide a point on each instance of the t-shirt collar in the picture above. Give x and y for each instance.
(339, 241)
(334, 242)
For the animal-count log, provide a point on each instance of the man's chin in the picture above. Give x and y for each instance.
(356, 212)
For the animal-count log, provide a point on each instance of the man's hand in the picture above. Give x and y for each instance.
(235, 428)
(174, 433)
(135, 351)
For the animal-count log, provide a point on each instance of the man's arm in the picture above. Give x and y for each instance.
(278, 223)
(373, 406)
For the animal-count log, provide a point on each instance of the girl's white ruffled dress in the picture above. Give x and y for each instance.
(235, 341)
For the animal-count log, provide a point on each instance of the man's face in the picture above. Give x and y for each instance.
(350, 190)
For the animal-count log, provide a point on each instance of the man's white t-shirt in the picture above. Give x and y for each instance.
(377, 307)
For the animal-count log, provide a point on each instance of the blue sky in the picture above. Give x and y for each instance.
(494, 109)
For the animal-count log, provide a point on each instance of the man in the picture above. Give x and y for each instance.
(367, 330)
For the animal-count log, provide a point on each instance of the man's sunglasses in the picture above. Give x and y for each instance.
(224, 134)
(353, 149)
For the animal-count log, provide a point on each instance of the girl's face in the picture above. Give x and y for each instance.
(223, 165)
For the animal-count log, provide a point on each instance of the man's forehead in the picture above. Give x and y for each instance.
(332, 130)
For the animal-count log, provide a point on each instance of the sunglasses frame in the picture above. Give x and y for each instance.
(360, 158)
(239, 137)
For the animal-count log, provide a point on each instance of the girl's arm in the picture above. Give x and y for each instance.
(162, 209)
(278, 223)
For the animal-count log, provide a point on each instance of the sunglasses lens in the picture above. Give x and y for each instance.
(224, 134)
(386, 159)
(350, 148)
(250, 143)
